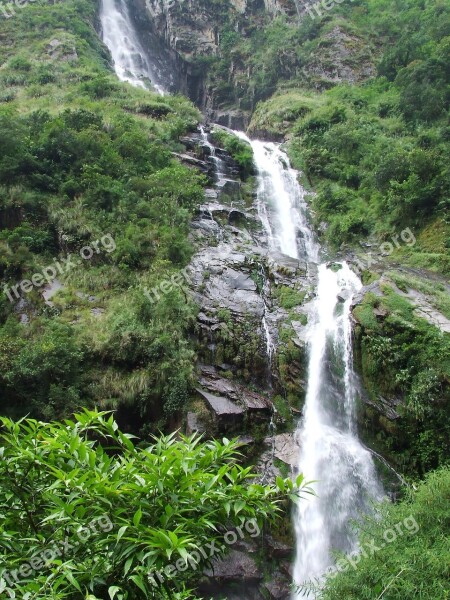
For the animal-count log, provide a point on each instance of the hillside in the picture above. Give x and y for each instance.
(86, 172)
(215, 294)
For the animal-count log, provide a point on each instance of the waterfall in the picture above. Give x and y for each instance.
(330, 450)
(331, 453)
(131, 62)
(281, 202)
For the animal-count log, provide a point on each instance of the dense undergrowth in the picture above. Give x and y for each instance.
(403, 357)
(405, 549)
(89, 512)
(85, 158)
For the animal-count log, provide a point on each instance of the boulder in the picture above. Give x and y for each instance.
(277, 548)
(193, 424)
(256, 406)
(226, 414)
(235, 567)
(278, 589)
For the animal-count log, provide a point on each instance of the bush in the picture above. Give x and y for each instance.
(412, 559)
(141, 508)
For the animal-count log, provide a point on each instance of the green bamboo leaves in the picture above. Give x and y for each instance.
(87, 512)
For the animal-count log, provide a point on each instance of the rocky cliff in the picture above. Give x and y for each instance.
(243, 386)
(230, 55)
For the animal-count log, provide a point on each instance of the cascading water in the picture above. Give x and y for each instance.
(331, 453)
(219, 165)
(330, 450)
(131, 62)
(281, 202)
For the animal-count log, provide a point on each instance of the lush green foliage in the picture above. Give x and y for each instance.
(376, 152)
(405, 357)
(126, 510)
(84, 156)
(413, 565)
(238, 149)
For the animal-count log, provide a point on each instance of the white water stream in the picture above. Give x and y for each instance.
(131, 62)
(330, 450)
(331, 453)
(219, 165)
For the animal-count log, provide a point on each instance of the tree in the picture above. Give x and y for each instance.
(87, 513)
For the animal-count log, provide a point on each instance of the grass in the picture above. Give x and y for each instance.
(437, 293)
(288, 297)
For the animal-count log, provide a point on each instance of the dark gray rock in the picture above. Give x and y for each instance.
(344, 295)
(237, 567)
(277, 548)
(226, 414)
(278, 589)
(256, 406)
(193, 424)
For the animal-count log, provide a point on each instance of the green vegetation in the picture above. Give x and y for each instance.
(288, 297)
(413, 555)
(375, 152)
(107, 515)
(403, 356)
(435, 292)
(86, 159)
(84, 156)
(239, 150)
(277, 115)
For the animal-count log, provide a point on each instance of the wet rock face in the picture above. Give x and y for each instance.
(274, 7)
(188, 32)
(237, 284)
(227, 415)
(188, 28)
(335, 63)
(238, 577)
(231, 403)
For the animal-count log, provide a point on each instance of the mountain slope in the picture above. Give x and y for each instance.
(91, 204)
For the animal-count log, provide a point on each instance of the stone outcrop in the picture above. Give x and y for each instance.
(227, 415)
(335, 63)
(256, 406)
(187, 33)
(273, 7)
(235, 282)
(237, 576)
